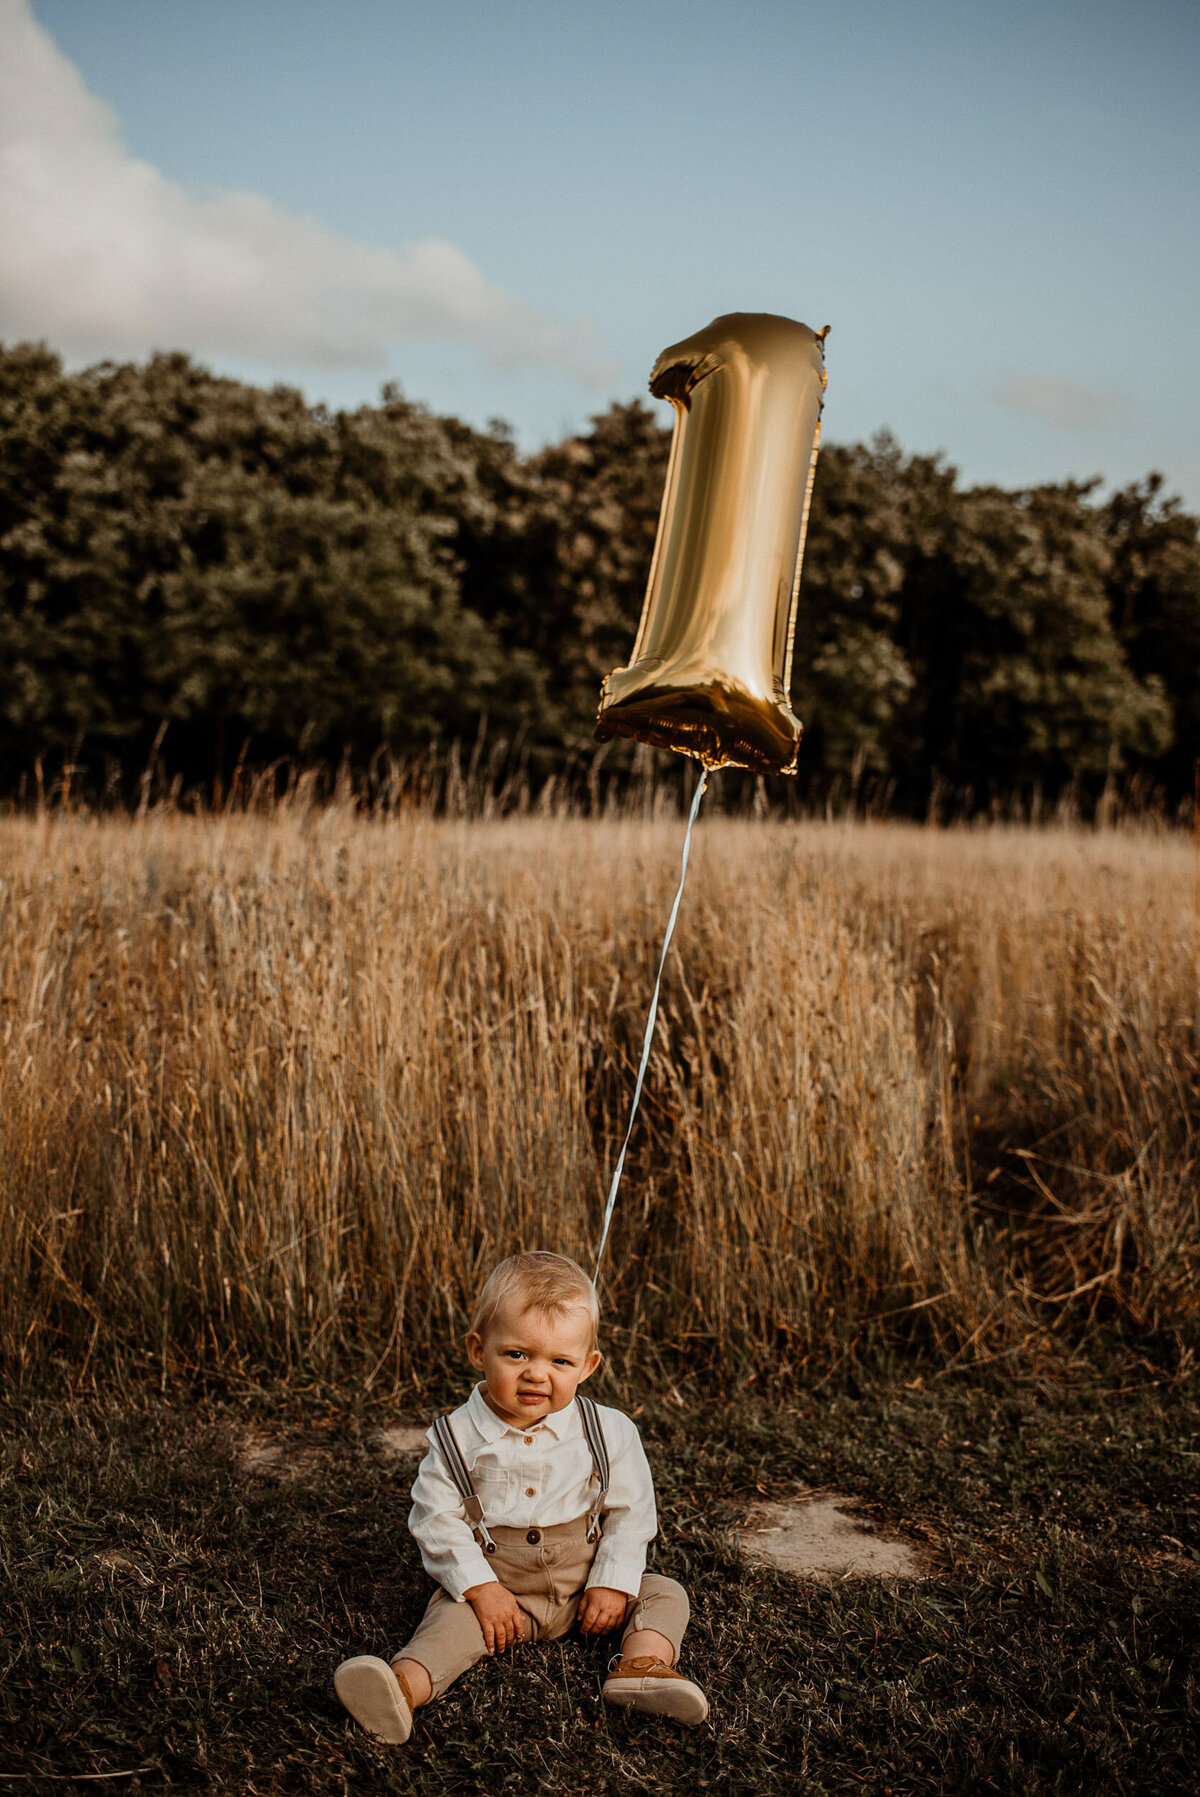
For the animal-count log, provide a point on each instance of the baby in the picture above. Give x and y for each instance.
(533, 1510)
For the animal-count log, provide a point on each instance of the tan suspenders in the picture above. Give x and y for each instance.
(464, 1484)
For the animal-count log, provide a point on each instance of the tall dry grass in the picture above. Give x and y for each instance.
(275, 1091)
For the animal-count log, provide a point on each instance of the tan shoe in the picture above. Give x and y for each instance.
(376, 1696)
(657, 1689)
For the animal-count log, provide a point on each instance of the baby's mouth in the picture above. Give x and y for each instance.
(532, 1397)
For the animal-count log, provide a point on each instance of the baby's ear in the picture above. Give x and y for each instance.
(474, 1345)
(593, 1360)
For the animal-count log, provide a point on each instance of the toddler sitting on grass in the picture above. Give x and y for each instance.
(533, 1510)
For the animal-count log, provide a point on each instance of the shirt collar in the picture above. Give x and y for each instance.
(559, 1423)
(489, 1425)
(562, 1423)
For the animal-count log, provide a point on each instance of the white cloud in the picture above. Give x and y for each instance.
(103, 256)
(1060, 402)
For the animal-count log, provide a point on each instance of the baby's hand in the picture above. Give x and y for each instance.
(499, 1617)
(601, 1610)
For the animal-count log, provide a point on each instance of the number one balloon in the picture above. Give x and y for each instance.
(712, 661)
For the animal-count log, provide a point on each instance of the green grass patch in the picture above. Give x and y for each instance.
(174, 1618)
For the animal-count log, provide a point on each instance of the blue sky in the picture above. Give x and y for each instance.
(511, 207)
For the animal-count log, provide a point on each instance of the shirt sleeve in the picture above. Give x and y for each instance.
(449, 1551)
(630, 1518)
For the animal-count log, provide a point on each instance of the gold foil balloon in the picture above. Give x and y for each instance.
(712, 662)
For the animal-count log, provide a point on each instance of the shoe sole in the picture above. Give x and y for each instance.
(368, 1689)
(680, 1702)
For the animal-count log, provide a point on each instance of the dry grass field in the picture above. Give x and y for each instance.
(276, 1089)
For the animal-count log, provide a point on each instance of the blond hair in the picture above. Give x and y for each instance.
(549, 1283)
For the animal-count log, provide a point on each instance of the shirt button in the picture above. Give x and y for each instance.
(529, 1441)
(530, 1491)
(533, 1537)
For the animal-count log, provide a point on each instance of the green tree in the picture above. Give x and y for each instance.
(243, 568)
(1153, 585)
(191, 551)
(851, 677)
(594, 519)
(1010, 632)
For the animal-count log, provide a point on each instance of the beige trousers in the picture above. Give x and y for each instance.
(546, 1570)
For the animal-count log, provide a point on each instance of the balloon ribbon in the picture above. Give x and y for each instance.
(650, 1022)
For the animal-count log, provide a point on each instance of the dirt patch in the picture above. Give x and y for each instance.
(259, 1453)
(815, 1537)
(403, 1440)
(116, 1560)
(262, 1453)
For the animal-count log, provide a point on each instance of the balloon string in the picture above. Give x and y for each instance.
(650, 1022)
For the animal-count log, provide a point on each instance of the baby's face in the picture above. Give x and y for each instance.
(532, 1363)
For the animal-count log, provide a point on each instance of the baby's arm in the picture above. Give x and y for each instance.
(498, 1615)
(451, 1554)
(630, 1524)
(602, 1609)
(449, 1551)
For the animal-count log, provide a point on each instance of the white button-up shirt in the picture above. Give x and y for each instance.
(532, 1478)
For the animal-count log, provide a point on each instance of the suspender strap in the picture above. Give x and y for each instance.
(464, 1484)
(590, 1418)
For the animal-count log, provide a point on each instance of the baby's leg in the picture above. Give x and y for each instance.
(447, 1640)
(415, 1679)
(645, 1677)
(656, 1624)
(383, 1698)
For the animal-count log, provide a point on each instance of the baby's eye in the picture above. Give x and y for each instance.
(513, 1354)
(561, 1361)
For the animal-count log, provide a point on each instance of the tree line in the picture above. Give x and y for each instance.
(199, 574)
